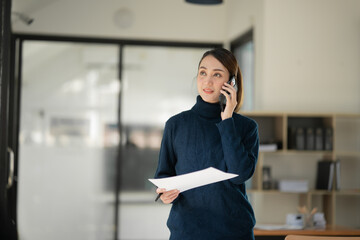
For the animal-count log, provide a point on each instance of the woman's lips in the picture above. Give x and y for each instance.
(208, 91)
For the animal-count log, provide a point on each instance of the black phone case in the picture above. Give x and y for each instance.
(222, 98)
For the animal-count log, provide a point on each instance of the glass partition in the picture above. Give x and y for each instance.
(68, 133)
(158, 82)
(243, 49)
(69, 138)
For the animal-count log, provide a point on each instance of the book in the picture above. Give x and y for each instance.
(337, 165)
(325, 175)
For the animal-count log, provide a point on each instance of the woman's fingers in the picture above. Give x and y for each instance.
(168, 196)
(171, 194)
(160, 190)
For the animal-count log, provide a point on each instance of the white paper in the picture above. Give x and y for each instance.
(192, 180)
(277, 227)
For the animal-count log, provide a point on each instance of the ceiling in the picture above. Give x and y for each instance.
(30, 6)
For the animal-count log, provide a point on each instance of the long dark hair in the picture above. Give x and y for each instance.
(229, 61)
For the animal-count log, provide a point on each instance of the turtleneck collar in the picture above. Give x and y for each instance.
(210, 111)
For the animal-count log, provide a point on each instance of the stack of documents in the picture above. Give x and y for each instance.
(293, 185)
(277, 227)
(319, 221)
(268, 147)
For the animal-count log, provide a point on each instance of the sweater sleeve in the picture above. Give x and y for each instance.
(240, 152)
(167, 157)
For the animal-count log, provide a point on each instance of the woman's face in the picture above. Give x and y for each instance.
(211, 77)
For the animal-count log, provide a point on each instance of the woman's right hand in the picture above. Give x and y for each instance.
(167, 196)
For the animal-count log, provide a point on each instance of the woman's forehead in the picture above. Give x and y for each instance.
(211, 63)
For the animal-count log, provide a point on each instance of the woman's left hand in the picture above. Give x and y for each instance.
(231, 100)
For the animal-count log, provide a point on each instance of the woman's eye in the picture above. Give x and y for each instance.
(217, 75)
(202, 73)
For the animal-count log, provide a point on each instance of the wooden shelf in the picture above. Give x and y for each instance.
(311, 192)
(273, 192)
(309, 152)
(320, 192)
(347, 154)
(329, 231)
(274, 127)
(347, 115)
(351, 192)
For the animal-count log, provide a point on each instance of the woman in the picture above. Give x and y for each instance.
(207, 137)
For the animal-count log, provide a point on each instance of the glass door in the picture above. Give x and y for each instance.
(68, 140)
(158, 82)
(243, 49)
(77, 150)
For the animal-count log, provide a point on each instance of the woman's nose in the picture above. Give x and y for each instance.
(209, 80)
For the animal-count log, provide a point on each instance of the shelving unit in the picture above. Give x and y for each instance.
(341, 204)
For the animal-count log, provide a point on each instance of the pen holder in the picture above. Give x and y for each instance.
(308, 220)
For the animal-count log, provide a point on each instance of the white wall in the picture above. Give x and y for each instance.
(172, 20)
(311, 55)
(307, 52)
(242, 16)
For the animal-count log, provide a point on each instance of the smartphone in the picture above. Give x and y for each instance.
(222, 98)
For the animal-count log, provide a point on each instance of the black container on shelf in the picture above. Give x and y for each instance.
(328, 139)
(300, 139)
(266, 178)
(309, 135)
(292, 138)
(310, 139)
(319, 139)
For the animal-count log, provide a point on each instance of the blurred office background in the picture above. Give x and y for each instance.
(99, 78)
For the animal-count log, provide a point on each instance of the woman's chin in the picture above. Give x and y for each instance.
(210, 98)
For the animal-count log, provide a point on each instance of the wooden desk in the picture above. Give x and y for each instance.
(329, 231)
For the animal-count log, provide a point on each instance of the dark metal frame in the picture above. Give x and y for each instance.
(244, 38)
(114, 41)
(241, 40)
(7, 205)
(17, 42)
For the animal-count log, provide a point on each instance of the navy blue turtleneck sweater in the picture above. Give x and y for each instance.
(197, 139)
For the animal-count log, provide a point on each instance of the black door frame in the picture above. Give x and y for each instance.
(243, 39)
(7, 190)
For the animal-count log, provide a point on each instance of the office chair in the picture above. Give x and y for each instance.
(303, 237)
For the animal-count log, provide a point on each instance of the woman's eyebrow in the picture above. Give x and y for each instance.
(216, 69)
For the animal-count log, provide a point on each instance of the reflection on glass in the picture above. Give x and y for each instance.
(245, 56)
(69, 137)
(157, 82)
(68, 131)
(139, 157)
